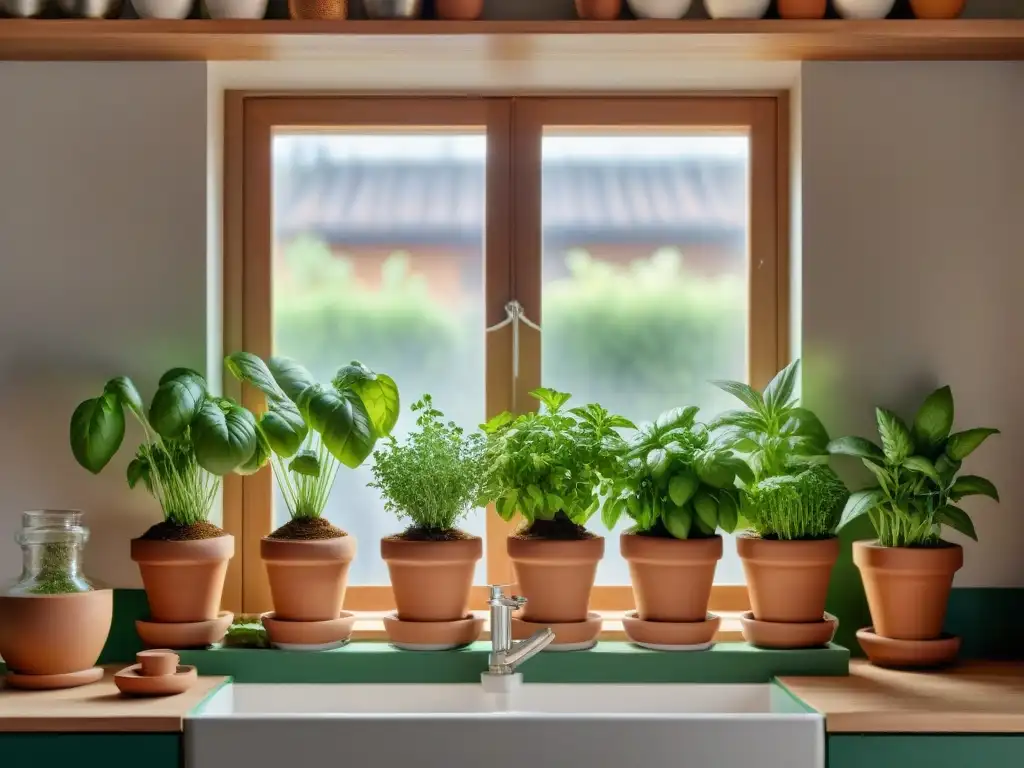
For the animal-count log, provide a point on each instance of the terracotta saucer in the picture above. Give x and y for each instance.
(569, 636)
(785, 636)
(309, 635)
(906, 654)
(432, 635)
(131, 682)
(193, 634)
(671, 635)
(53, 682)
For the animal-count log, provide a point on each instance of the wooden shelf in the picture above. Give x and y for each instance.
(201, 40)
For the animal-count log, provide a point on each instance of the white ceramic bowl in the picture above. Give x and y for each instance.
(162, 9)
(864, 9)
(736, 9)
(659, 9)
(236, 9)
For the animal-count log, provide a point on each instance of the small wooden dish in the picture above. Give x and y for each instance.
(779, 635)
(432, 635)
(908, 654)
(192, 634)
(131, 682)
(671, 635)
(569, 636)
(309, 635)
(54, 682)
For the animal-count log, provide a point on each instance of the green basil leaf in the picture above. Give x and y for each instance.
(551, 398)
(682, 487)
(250, 369)
(611, 513)
(506, 505)
(306, 463)
(127, 394)
(678, 520)
(963, 444)
(139, 470)
(746, 394)
(175, 405)
(715, 470)
(857, 447)
(259, 457)
(860, 503)
(779, 391)
(619, 422)
(749, 421)
(344, 426)
(947, 468)
(658, 462)
(378, 392)
(958, 520)
(97, 429)
(804, 423)
(923, 466)
(933, 422)
(494, 425)
(728, 512)
(223, 436)
(677, 418)
(896, 440)
(706, 507)
(284, 427)
(972, 485)
(290, 376)
(183, 373)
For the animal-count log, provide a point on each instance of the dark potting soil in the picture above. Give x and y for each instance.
(431, 534)
(559, 529)
(308, 529)
(167, 531)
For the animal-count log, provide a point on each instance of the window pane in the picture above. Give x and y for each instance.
(378, 257)
(645, 295)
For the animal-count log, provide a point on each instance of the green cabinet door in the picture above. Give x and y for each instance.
(90, 750)
(926, 750)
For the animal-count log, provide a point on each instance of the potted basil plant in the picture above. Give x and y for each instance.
(548, 468)
(307, 432)
(908, 570)
(191, 438)
(679, 488)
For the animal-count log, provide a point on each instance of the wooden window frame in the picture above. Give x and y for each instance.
(515, 128)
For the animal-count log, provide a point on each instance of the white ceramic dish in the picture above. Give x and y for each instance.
(659, 9)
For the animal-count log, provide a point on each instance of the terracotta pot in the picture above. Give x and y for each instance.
(184, 580)
(460, 10)
(308, 578)
(55, 634)
(938, 9)
(599, 10)
(318, 10)
(803, 9)
(671, 578)
(787, 580)
(431, 579)
(907, 587)
(555, 577)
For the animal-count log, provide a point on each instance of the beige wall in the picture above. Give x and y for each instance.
(102, 272)
(913, 265)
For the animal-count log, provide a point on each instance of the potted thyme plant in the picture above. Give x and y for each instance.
(792, 504)
(679, 488)
(191, 438)
(307, 432)
(908, 571)
(431, 480)
(548, 467)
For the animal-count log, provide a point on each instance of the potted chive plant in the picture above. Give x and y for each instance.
(792, 507)
(307, 432)
(431, 480)
(908, 570)
(679, 488)
(548, 467)
(191, 438)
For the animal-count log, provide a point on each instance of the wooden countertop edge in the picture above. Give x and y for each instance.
(923, 722)
(86, 724)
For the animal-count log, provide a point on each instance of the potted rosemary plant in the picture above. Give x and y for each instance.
(307, 432)
(191, 438)
(431, 480)
(548, 468)
(679, 488)
(908, 571)
(792, 504)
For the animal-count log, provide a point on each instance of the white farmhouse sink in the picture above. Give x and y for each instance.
(538, 725)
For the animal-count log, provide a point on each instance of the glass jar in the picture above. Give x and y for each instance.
(52, 541)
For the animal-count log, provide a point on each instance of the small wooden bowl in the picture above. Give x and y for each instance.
(569, 636)
(779, 635)
(131, 682)
(908, 654)
(432, 635)
(192, 634)
(671, 635)
(309, 635)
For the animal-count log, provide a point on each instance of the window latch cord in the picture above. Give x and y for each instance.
(514, 315)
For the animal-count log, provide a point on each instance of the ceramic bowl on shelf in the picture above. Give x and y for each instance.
(24, 9)
(236, 9)
(162, 9)
(737, 9)
(91, 9)
(393, 9)
(659, 9)
(864, 9)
